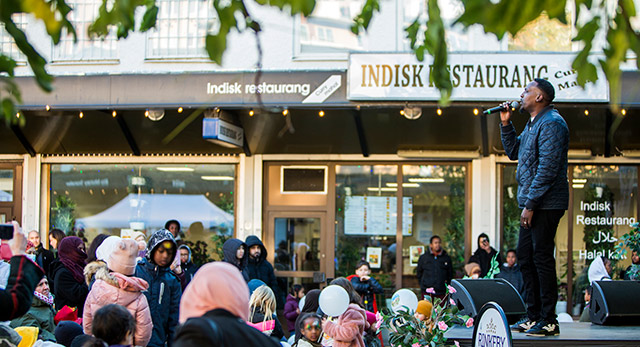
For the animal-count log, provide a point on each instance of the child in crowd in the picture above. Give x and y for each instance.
(291, 309)
(586, 316)
(163, 295)
(366, 286)
(423, 313)
(349, 330)
(115, 284)
(114, 326)
(473, 270)
(40, 314)
(311, 329)
(262, 312)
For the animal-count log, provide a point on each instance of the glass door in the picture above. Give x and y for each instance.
(297, 249)
(10, 192)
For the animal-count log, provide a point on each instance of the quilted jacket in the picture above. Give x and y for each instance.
(541, 151)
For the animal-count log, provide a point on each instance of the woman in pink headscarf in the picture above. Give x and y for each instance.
(214, 309)
(67, 272)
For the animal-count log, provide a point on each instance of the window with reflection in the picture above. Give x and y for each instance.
(604, 206)
(117, 199)
(510, 210)
(297, 242)
(328, 28)
(437, 196)
(6, 185)
(366, 213)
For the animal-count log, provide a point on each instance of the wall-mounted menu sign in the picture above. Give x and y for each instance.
(376, 215)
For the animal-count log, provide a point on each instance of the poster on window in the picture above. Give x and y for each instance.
(376, 215)
(414, 254)
(374, 257)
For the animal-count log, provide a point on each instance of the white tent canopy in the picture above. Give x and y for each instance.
(154, 210)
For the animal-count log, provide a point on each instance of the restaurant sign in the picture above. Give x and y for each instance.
(477, 76)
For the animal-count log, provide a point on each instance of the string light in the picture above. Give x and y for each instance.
(146, 113)
(285, 112)
(47, 107)
(114, 113)
(180, 109)
(251, 113)
(439, 111)
(321, 113)
(402, 112)
(81, 115)
(475, 111)
(623, 112)
(586, 112)
(18, 115)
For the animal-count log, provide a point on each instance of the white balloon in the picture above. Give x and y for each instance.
(334, 300)
(301, 302)
(402, 298)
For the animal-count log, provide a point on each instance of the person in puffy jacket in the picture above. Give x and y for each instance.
(291, 309)
(348, 330)
(115, 284)
(236, 253)
(69, 287)
(164, 290)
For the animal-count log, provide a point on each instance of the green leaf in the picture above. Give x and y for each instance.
(361, 21)
(34, 58)
(149, 18)
(304, 7)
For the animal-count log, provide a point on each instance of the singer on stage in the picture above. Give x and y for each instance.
(543, 194)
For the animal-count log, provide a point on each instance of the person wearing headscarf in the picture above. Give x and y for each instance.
(163, 295)
(214, 309)
(600, 270)
(69, 285)
(484, 254)
(311, 305)
(236, 253)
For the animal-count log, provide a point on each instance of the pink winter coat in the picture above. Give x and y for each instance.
(348, 331)
(116, 288)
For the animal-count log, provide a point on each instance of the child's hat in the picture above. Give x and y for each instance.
(123, 257)
(424, 307)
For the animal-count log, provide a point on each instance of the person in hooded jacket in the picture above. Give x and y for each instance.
(484, 254)
(69, 285)
(163, 295)
(258, 267)
(188, 267)
(214, 310)
(115, 284)
(510, 271)
(235, 253)
(40, 314)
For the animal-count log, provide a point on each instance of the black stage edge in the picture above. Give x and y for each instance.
(571, 334)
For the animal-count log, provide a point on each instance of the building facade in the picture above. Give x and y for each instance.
(341, 135)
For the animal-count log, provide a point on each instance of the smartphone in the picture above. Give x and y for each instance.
(6, 231)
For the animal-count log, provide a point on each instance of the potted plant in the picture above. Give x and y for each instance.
(405, 330)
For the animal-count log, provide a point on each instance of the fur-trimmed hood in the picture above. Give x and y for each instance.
(98, 270)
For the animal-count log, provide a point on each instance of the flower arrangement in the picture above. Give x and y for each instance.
(406, 330)
(630, 240)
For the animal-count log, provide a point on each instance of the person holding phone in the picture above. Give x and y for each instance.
(16, 299)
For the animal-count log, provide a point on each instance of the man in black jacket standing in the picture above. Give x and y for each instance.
(258, 267)
(435, 270)
(543, 194)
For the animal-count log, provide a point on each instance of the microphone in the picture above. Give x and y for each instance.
(500, 108)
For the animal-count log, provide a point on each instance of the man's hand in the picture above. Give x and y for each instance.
(505, 116)
(18, 243)
(525, 218)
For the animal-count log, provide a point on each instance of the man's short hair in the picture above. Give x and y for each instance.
(547, 88)
(514, 252)
(361, 263)
(435, 237)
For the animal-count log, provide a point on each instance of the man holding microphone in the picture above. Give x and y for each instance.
(543, 194)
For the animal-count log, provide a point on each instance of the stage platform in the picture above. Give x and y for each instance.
(571, 334)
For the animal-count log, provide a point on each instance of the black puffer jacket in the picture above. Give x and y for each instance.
(541, 151)
(513, 275)
(229, 249)
(260, 268)
(434, 271)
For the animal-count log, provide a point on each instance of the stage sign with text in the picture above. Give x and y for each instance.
(475, 77)
(491, 328)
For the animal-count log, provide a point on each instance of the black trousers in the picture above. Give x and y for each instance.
(538, 265)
